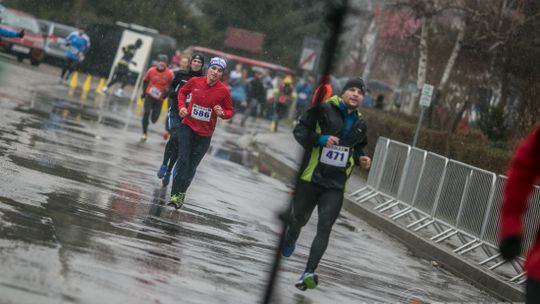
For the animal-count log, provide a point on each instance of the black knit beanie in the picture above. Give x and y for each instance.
(355, 83)
(197, 56)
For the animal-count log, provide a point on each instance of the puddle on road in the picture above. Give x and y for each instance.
(246, 157)
(107, 110)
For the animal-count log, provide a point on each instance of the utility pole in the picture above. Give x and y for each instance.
(77, 7)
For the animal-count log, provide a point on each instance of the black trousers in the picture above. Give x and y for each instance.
(121, 74)
(328, 202)
(532, 291)
(171, 153)
(69, 66)
(152, 109)
(250, 110)
(190, 154)
(171, 148)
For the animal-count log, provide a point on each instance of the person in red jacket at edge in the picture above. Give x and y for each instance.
(210, 99)
(155, 85)
(523, 173)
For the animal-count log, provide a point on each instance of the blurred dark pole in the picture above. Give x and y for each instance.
(77, 9)
(335, 18)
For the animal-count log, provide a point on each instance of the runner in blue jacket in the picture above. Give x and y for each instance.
(78, 45)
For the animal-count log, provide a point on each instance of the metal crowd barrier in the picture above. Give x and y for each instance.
(369, 191)
(453, 203)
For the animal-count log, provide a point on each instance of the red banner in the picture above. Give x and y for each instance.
(244, 40)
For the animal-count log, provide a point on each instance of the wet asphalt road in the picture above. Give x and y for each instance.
(82, 219)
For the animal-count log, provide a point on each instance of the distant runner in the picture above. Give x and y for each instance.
(334, 134)
(121, 72)
(181, 77)
(78, 44)
(155, 85)
(210, 99)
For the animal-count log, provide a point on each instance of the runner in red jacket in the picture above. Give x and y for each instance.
(210, 99)
(524, 172)
(155, 85)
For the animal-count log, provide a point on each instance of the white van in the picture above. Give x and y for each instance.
(54, 35)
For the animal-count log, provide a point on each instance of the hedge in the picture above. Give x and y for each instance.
(472, 148)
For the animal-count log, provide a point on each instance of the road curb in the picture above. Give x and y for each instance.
(424, 248)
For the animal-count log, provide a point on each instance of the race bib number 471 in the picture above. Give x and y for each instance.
(201, 113)
(337, 156)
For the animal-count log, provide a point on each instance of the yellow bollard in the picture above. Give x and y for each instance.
(164, 109)
(73, 83)
(100, 85)
(86, 86)
(273, 125)
(165, 105)
(139, 107)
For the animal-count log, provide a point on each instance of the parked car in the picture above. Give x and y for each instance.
(31, 45)
(54, 35)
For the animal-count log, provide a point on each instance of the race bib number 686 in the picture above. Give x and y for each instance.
(337, 156)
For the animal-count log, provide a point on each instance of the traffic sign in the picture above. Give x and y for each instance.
(307, 60)
(427, 92)
(311, 52)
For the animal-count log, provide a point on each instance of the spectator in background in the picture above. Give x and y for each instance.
(269, 87)
(184, 64)
(176, 60)
(304, 90)
(78, 44)
(523, 173)
(256, 94)
(237, 72)
(368, 102)
(379, 102)
(238, 84)
(285, 95)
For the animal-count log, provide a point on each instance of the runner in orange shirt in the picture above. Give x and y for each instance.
(155, 85)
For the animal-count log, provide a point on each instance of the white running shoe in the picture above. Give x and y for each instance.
(104, 90)
(119, 93)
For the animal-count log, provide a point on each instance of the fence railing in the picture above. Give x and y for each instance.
(451, 203)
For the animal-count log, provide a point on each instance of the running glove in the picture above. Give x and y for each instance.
(20, 34)
(510, 247)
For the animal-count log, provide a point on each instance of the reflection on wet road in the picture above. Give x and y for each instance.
(82, 219)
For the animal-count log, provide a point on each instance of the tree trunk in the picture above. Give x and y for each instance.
(452, 60)
(370, 41)
(446, 74)
(422, 63)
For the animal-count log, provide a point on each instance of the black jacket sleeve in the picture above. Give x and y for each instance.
(304, 132)
(173, 87)
(358, 149)
(145, 85)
